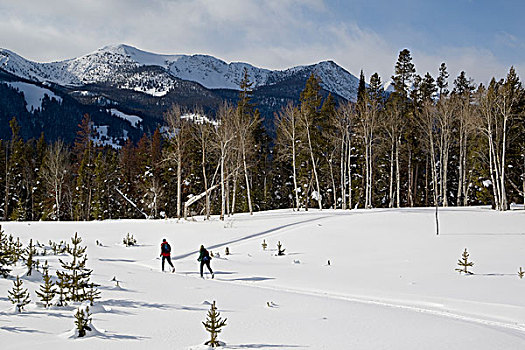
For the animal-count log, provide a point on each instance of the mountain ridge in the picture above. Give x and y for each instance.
(120, 66)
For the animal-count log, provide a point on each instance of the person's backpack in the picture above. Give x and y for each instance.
(166, 248)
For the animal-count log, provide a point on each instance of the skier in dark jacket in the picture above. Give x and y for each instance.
(204, 258)
(165, 253)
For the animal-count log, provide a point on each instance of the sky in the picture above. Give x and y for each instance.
(483, 38)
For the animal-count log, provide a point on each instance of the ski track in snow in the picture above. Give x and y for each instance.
(354, 298)
(348, 297)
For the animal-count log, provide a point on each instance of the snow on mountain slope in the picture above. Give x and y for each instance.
(33, 94)
(133, 119)
(127, 67)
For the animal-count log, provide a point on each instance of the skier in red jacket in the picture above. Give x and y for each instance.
(165, 253)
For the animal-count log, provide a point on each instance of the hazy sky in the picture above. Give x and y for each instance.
(484, 38)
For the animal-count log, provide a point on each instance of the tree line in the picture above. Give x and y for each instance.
(420, 145)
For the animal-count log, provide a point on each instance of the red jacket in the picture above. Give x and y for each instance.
(165, 252)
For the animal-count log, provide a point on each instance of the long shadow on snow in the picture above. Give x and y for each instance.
(260, 346)
(252, 279)
(20, 330)
(117, 260)
(182, 256)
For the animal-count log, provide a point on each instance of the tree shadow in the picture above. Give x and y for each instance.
(260, 346)
(117, 260)
(252, 279)
(21, 330)
(132, 304)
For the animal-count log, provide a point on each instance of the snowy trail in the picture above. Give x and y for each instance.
(267, 232)
(396, 305)
(391, 283)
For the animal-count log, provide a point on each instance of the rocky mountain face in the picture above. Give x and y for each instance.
(146, 84)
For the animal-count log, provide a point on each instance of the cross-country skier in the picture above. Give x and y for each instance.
(204, 258)
(165, 253)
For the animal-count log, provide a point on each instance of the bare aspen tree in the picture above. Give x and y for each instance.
(224, 136)
(54, 172)
(287, 137)
(178, 129)
(446, 110)
(202, 133)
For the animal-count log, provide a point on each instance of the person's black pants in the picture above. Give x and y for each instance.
(207, 265)
(169, 261)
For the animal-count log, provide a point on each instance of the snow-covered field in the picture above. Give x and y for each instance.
(390, 284)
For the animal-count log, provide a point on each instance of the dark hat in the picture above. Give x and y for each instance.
(164, 240)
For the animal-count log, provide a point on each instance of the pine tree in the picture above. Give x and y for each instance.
(93, 293)
(361, 88)
(62, 289)
(83, 321)
(441, 81)
(264, 245)
(75, 275)
(403, 73)
(17, 250)
(47, 290)
(30, 263)
(464, 263)
(227, 251)
(521, 273)
(462, 85)
(5, 255)
(18, 295)
(213, 325)
(280, 251)
(129, 240)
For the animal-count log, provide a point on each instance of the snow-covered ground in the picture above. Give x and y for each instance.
(390, 284)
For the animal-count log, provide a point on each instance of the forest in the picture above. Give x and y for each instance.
(432, 141)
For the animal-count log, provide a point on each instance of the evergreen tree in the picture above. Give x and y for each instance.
(83, 321)
(30, 263)
(75, 275)
(428, 88)
(213, 325)
(93, 293)
(47, 289)
(5, 255)
(464, 264)
(280, 250)
(18, 295)
(361, 88)
(441, 81)
(462, 85)
(403, 73)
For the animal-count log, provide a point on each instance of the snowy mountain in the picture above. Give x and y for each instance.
(126, 67)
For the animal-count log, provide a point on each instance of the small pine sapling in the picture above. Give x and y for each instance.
(211, 254)
(48, 289)
(18, 295)
(30, 263)
(521, 273)
(75, 275)
(83, 321)
(464, 263)
(129, 240)
(62, 290)
(5, 255)
(93, 293)
(227, 251)
(213, 325)
(264, 245)
(17, 250)
(280, 250)
(116, 281)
